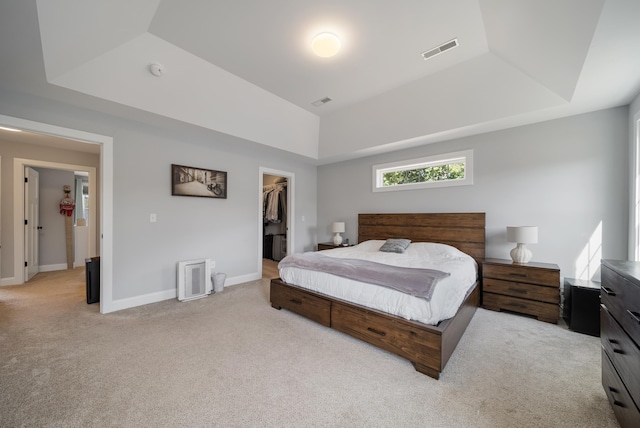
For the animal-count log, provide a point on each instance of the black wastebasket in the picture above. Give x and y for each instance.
(93, 279)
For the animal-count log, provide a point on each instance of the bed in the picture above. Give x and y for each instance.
(428, 347)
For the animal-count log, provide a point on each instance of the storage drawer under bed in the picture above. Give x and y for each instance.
(405, 339)
(301, 302)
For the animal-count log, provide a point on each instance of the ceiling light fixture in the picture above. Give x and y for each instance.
(10, 129)
(325, 45)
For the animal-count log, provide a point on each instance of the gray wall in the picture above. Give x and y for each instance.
(565, 176)
(226, 230)
(53, 239)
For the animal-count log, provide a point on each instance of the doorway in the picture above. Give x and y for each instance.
(275, 239)
(21, 245)
(55, 239)
(106, 199)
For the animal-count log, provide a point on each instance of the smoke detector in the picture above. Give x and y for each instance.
(156, 69)
(439, 49)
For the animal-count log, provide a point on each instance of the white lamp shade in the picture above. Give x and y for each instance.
(337, 227)
(522, 234)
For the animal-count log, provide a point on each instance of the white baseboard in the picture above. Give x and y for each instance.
(132, 302)
(242, 278)
(8, 281)
(52, 268)
(42, 268)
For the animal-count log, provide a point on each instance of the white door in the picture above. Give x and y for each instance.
(31, 209)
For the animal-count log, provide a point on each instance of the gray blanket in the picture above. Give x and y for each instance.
(414, 281)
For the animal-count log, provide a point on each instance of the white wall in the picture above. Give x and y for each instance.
(226, 230)
(565, 176)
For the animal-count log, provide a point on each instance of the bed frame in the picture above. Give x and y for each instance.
(428, 347)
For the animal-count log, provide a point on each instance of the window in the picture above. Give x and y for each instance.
(449, 169)
(634, 234)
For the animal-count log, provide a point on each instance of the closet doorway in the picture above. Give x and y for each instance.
(276, 212)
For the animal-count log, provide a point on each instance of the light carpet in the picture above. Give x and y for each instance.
(230, 360)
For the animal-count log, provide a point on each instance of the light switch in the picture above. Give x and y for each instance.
(152, 218)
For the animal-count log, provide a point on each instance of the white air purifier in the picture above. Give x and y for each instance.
(194, 279)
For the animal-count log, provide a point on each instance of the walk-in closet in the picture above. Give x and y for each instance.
(274, 214)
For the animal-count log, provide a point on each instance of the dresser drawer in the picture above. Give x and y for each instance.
(624, 354)
(547, 312)
(521, 273)
(522, 290)
(301, 302)
(403, 339)
(622, 299)
(626, 411)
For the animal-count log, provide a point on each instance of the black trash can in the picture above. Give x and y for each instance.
(93, 279)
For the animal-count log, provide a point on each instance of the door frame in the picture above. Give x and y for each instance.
(19, 166)
(30, 229)
(290, 176)
(106, 200)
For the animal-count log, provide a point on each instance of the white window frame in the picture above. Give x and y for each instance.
(634, 217)
(465, 156)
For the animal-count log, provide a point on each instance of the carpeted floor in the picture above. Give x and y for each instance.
(230, 360)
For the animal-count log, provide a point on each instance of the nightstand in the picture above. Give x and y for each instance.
(330, 245)
(531, 289)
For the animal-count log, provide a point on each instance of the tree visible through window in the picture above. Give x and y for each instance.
(449, 169)
(452, 171)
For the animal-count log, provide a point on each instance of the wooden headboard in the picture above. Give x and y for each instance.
(465, 231)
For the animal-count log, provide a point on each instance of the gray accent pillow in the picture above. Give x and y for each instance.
(395, 245)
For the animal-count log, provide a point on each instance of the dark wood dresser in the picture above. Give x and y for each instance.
(532, 288)
(620, 336)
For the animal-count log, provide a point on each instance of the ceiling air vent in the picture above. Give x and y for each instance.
(443, 47)
(321, 101)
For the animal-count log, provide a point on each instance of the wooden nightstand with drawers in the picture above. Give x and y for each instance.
(532, 289)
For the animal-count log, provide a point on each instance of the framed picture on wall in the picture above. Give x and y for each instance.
(191, 181)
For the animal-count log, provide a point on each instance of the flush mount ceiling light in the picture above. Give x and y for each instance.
(325, 45)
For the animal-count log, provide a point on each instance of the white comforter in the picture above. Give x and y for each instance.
(447, 297)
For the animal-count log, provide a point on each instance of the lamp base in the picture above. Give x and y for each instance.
(521, 254)
(337, 239)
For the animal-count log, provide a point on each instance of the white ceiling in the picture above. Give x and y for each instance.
(245, 68)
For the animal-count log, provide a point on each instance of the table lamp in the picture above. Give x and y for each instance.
(337, 228)
(522, 235)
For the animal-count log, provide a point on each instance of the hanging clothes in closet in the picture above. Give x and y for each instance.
(274, 215)
(275, 203)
